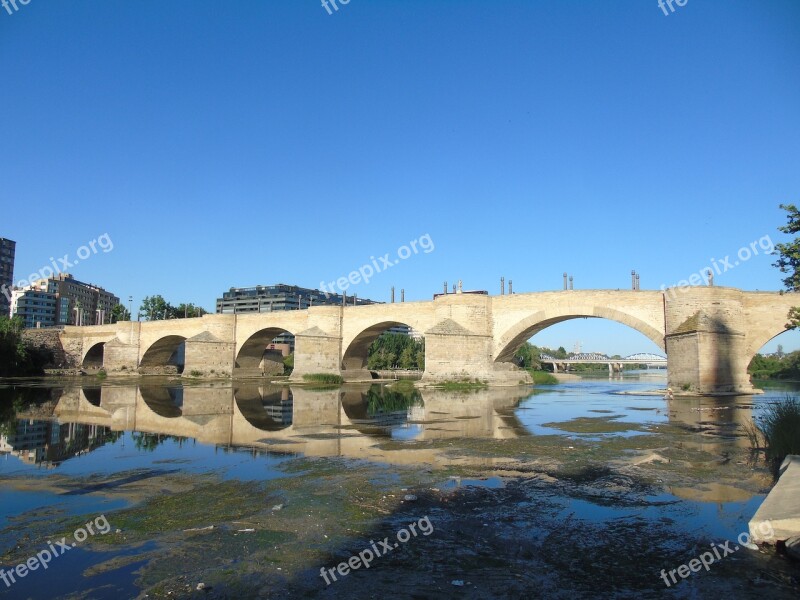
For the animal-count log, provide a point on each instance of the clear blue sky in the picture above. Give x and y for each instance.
(225, 144)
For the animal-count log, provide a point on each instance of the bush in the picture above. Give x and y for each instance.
(543, 377)
(777, 430)
(327, 378)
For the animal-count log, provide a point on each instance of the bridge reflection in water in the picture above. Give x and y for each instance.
(349, 421)
(355, 421)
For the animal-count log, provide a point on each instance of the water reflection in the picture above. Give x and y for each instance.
(352, 421)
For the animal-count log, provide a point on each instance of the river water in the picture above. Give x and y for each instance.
(589, 488)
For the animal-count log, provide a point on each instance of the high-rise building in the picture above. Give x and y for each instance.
(63, 300)
(36, 307)
(7, 251)
(268, 298)
(79, 303)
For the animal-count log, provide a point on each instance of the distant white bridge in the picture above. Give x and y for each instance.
(614, 364)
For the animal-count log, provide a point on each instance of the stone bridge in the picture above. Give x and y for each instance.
(709, 334)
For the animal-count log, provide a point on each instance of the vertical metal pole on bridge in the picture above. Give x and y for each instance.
(510, 288)
(402, 295)
(502, 286)
(571, 286)
(392, 294)
(565, 280)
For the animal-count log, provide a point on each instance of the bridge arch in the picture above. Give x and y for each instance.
(255, 352)
(516, 335)
(166, 351)
(166, 402)
(764, 336)
(93, 359)
(267, 410)
(355, 354)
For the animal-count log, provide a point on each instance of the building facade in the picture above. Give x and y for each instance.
(80, 303)
(7, 253)
(36, 308)
(268, 298)
(62, 300)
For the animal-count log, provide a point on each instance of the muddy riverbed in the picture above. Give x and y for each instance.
(221, 490)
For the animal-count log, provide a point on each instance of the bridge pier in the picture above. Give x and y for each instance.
(205, 352)
(459, 346)
(706, 346)
(318, 349)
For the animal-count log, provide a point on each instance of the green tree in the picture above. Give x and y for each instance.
(789, 259)
(408, 358)
(155, 308)
(186, 311)
(120, 313)
(789, 253)
(392, 350)
(18, 358)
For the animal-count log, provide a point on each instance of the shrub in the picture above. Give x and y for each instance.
(328, 378)
(777, 430)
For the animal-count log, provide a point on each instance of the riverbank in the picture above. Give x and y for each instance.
(526, 495)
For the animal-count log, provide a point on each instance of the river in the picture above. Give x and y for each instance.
(171, 488)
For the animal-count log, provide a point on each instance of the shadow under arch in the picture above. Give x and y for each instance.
(267, 409)
(526, 328)
(165, 401)
(256, 353)
(355, 356)
(92, 394)
(165, 352)
(94, 357)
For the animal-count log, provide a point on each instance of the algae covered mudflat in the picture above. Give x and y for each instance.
(223, 492)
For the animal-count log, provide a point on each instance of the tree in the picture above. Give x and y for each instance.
(186, 311)
(120, 313)
(408, 358)
(18, 358)
(391, 350)
(155, 308)
(789, 259)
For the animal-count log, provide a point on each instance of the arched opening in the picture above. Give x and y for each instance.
(528, 327)
(382, 412)
(166, 356)
(777, 361)
(265, 352)
(585, 344)
(166, 402)
(92, 395)
(267, 409)
(94, 357)
(389, 346)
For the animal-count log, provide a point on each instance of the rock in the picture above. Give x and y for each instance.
(277, 507)
(793, 547)
(202, 586)
(457, 582)
(409, 497)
